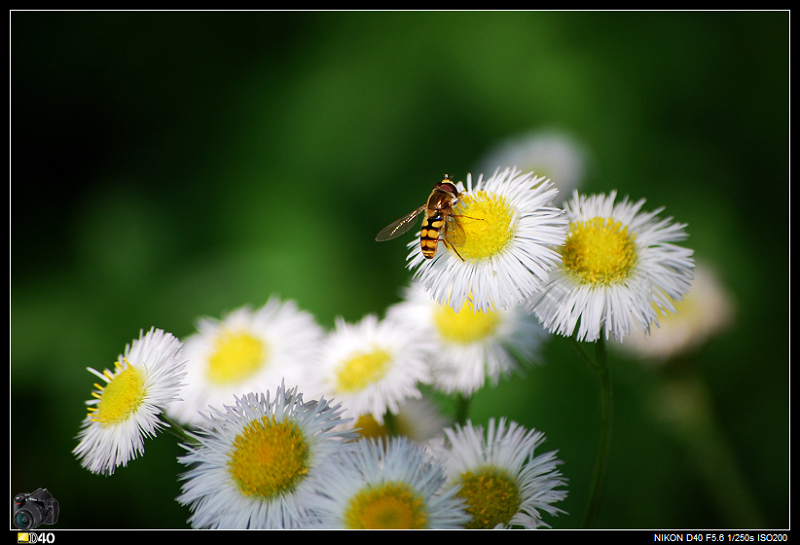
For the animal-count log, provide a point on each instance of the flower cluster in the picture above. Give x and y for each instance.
(289, 425)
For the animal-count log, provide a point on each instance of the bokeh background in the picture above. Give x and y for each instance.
(172, 165)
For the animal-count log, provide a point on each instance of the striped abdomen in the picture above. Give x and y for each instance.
(429, 233)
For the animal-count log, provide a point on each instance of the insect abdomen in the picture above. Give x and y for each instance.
(429, 235)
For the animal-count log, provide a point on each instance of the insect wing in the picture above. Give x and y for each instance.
(454, 232)
(398, 227)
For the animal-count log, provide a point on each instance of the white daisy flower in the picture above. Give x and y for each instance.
(387, 485)
(496, 472)
(372, 366)
(146, 379)
(258, 462)
(548, 152)
(510, 232)
(618, 266)
(248, 350)
(706, 310)
(472, 347)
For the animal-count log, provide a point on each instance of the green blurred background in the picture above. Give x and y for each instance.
(167, 166)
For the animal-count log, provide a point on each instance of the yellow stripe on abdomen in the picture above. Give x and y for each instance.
(429, 235)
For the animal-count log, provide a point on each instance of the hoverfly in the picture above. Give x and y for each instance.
(438, 223)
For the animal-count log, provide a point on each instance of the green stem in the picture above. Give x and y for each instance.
(582, 353)
(176, 429)
(392, 426)
(602, 371)
(462, 408)
(685, 403)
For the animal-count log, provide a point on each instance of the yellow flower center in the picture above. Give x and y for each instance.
(467, 325)
(268, 458)
(487, 226)
(390, 505)
(599, 251)
(492, 497)
(393, 425)
(237, 356)
(369, 427)
(362, 369)
(120, 397)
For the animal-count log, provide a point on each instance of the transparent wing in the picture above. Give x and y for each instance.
(398, 227)
(454, 233)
